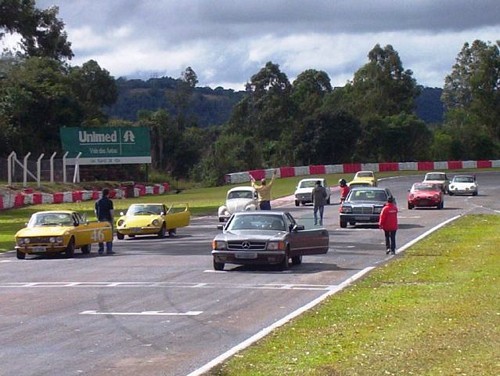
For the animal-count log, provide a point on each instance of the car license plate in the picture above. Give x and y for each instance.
(39, 249)
(135, 229)
(246, 255)
(359, 218)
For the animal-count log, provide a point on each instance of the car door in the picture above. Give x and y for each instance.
(306, 242)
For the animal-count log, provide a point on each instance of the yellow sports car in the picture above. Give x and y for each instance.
(60, 231)
(152, 219)
(362, 179)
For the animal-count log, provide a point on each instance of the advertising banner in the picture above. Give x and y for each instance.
(106, 145)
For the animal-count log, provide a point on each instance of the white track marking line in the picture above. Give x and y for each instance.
(143, 313)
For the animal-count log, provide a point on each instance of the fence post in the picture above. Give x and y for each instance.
(25, 169)
(76, 175)
(52, 167)
(64, 166)
(10, 166)
(39, 169)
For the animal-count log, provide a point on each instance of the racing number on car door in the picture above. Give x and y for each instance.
(97, 235)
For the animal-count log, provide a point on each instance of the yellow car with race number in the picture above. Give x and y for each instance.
(57, 231)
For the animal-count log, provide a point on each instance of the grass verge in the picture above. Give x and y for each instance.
(432, 311)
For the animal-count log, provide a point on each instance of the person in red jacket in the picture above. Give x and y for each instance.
(344, 190)
(388, 222)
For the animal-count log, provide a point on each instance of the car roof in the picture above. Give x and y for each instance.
(312, 179)
(368, 188)
(260, 213)
(242, 188)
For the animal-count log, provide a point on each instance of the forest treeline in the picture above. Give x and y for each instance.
(380, 115)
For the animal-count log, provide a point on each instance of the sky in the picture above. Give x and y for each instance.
(227, 41)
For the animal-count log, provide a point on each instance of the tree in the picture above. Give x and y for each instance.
(95, 88)
(474, 85)
(382, 87)
(42, 33)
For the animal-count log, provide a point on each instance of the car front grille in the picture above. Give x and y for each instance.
(362, 210)
(246, 245)
(40, 240)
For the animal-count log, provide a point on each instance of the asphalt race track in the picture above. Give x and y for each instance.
(159, 308)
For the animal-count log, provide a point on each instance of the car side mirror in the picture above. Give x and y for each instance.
(296, 228)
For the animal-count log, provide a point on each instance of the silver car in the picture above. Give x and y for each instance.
(266, 237)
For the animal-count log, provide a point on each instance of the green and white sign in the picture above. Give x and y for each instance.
(106, 145)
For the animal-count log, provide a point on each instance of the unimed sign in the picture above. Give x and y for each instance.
(107, 145)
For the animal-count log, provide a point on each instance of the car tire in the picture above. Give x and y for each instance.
(410, 206)
(475, 193)
(218, 265)
(297, 203)
(162, 232)
(343, 224)
(119, 236)
(70, 249)
(20, 255)
(451, 193)
(86, 249)
(172, 232)
(328, 201)
(297, 260)
(285, 264)
(441, 205)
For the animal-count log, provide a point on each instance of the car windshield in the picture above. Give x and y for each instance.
(51, 219)
(364, 175)
(435, 177)
(257, 222)
(367, 195)
(424, 187)
(307, 184)
(240, 194)
(463, 179)
(145, 209)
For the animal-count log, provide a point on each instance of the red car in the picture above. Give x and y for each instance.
(425, 195)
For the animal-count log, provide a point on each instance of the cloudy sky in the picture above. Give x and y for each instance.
(227, 41)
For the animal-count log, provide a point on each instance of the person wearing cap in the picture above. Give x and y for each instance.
(104, 212)
(319, 200)
(344, 190)
(263, 191)
(388, 222)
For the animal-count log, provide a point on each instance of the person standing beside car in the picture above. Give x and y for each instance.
(104, 212)
(388, 221)
(344, 190)
(263, 191)
(319, 200)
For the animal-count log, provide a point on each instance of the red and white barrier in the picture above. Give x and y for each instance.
(351, 168)
(29, 197)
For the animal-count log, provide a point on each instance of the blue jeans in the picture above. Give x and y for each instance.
(390, 240)
(321, 209)
(265, 205)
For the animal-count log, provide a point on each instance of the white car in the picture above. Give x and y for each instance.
(238, 199)
(463, 185)
(303, 191)
(439, 178)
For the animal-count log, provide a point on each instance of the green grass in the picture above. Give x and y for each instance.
(432, 311)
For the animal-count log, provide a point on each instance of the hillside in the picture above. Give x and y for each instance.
(214, 106)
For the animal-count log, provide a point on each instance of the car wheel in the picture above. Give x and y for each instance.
(86, 249)
(474, 193)
(343, 224)
(172, 232)
(450, 193)
(297, 203)
(218, 265)
(119, 236)
(410, 206)
(328, 201)
(441, 205)
(20, 255)
(285, 264)
(70, 249)
(221, 219)
(162, 232)
(297, 260)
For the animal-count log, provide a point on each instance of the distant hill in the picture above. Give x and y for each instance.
(214, 106)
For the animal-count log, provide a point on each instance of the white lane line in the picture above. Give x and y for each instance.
(143, 313)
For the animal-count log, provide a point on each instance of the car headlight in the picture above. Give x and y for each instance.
(276, 245)
(155, 223)
(22, 241)
(345, 209)
(120, 222)
(56, 239)
(219, 245)
(436, 197)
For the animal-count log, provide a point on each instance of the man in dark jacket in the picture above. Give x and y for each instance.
(104, 212)
(319, 200)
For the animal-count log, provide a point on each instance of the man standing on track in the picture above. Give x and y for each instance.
(263, 191)
(388, 222)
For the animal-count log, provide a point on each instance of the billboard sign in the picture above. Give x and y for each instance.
(106, 145)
